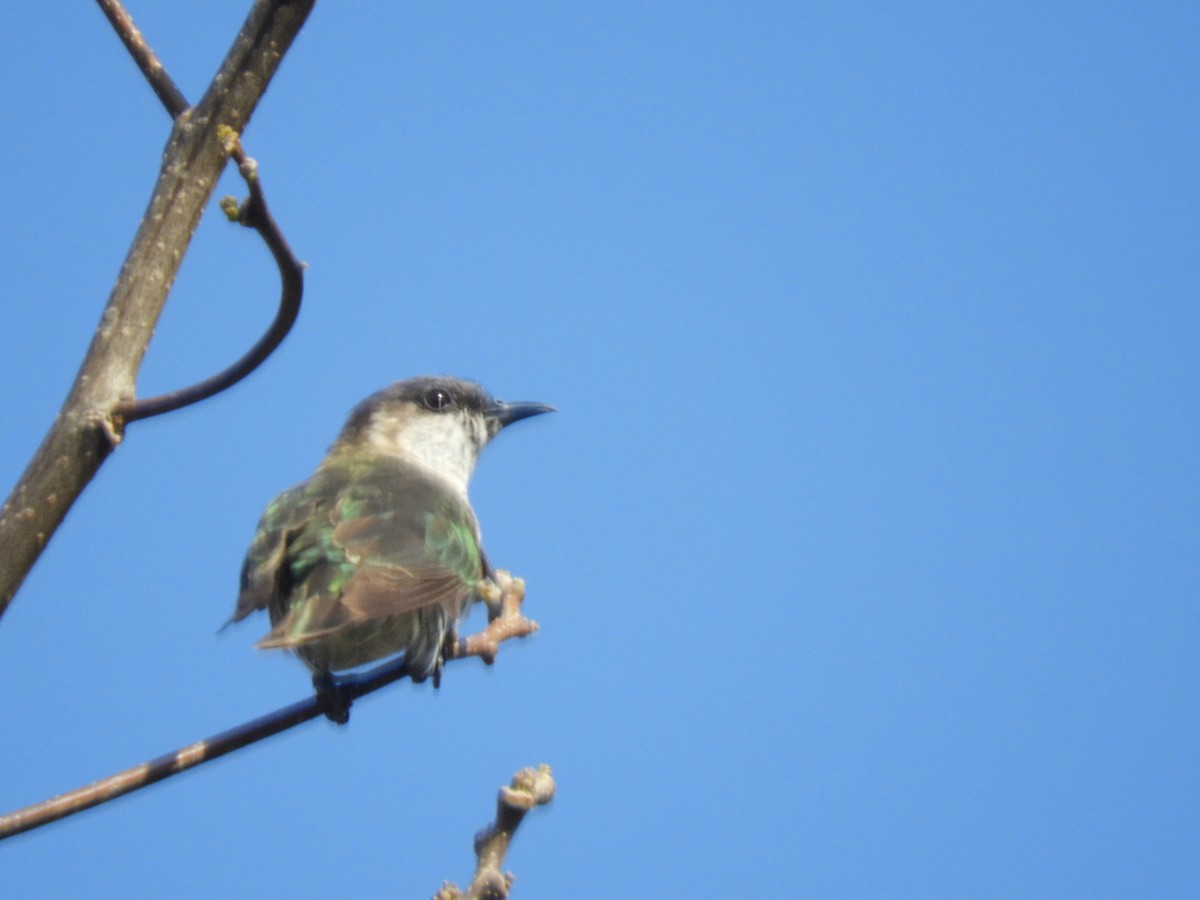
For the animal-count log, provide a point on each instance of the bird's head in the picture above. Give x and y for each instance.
(440, 422)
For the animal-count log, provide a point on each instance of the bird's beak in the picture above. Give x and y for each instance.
(506, 413)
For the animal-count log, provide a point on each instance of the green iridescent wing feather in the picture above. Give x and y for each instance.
(361, 541)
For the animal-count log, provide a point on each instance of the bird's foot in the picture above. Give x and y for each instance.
(446, 651)
(491, 592)
(334, 696)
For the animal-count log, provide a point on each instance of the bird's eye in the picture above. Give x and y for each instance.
(438, 400)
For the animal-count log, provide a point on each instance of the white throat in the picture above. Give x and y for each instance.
(446, 444)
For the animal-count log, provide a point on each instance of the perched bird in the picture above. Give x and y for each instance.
(379, 552)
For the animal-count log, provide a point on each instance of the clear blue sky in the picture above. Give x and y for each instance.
(865, 545)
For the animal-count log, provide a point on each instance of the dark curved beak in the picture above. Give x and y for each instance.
(506, 413)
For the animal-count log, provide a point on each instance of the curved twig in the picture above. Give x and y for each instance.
(255, 214)
(333, 704)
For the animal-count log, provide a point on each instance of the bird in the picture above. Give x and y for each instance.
(379, 552)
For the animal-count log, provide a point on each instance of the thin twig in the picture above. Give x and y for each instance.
(170, 95)
(529, 788)
(148, 773)
(335, 705)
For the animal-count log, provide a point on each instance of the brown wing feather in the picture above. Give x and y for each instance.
(345, 557)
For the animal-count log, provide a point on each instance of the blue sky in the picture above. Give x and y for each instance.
(865, 545)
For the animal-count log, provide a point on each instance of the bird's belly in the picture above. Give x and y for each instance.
(418, 635)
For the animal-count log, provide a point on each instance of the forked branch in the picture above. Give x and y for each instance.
(254, 213)
(90, 424)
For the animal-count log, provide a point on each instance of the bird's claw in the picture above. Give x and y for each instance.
(334, 697)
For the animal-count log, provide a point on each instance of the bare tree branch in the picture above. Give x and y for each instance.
(88, 426)
(332, 701)
(254, 213)
(529, 788)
